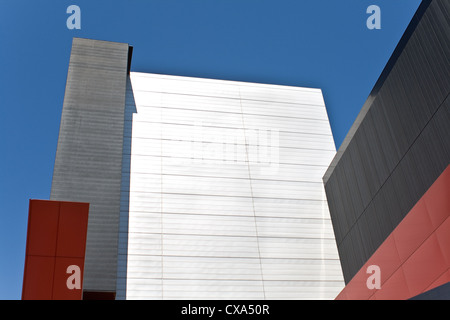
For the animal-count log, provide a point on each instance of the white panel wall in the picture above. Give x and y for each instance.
(222, 194)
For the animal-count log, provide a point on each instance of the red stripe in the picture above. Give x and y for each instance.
(415, 257)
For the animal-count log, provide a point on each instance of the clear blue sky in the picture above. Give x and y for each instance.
(314, 43)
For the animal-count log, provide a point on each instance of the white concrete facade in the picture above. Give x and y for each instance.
(222, 193)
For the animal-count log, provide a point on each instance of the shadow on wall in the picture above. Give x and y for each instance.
(130, 109)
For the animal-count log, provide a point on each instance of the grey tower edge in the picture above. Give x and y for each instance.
(88, 161)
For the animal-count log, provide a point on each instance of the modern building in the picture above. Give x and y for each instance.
(173, 187)
(222, 195)
(197, 188)
(388, 185)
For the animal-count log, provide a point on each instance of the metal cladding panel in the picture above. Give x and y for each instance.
(56, 243)
(415, 257)
(399, 144)
(222, 195)
(88, 161)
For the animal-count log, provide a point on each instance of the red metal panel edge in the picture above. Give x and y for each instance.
(404, 279)
(68, 272)
(42, 228)
(394, 289)
(48, 264)
(424, 266)
(72, 229)
(38, 278)
(40, 249)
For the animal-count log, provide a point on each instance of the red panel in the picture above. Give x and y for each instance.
(38, 278)
(395, 288)
(387, 258)
(56, 238)
(42, 227)
(412, 231)
(73, 221)
(343, 295)
(422, 243)
(61, 276)
(443, 236)
(424, 266)
(443, 279)
(437, 199)
(358, 289)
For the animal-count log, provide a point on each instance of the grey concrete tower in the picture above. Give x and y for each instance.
(89, 153)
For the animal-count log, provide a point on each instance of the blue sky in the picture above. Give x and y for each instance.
(322, 43)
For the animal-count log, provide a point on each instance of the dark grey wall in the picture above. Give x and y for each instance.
(88, 162)
(399, 144)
